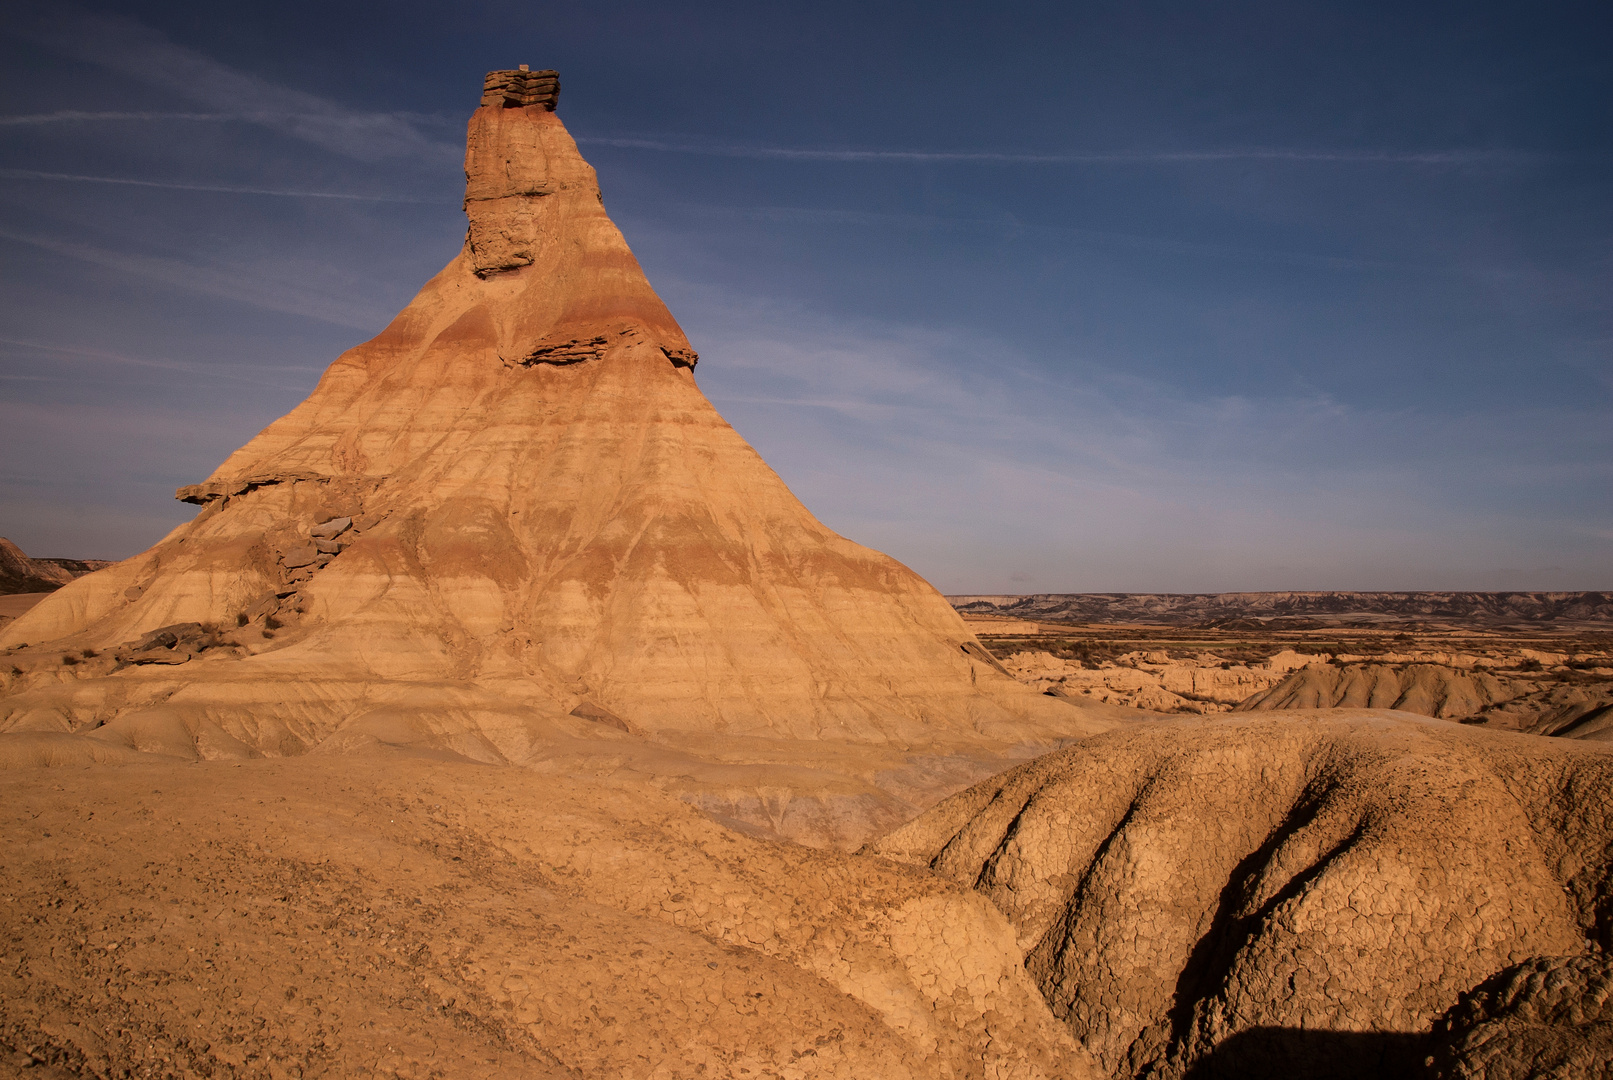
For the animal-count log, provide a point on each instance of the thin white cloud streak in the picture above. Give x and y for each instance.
(257, 291)
(1094, 157)
(63, 116)
(968, 462)
(215, 371)
(1013, 226)
(31, 174)
(135, 50)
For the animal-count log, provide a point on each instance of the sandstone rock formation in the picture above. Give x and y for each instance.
(344, 918)
(1544, 706)
(1294, 894)
(1551, 1016)
(1155, 681)
(20, 574)
(513, 512)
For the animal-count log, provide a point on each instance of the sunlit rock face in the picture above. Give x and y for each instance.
(513, 517)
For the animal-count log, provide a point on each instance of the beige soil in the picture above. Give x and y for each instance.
(415, 918)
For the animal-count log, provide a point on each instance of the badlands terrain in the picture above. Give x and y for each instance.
(1537, 662)
(501, 713)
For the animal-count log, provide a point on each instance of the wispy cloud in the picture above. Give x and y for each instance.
(31, 174)
(1090, 157)
(70, 116)
(135, 50)
(247, 373)
(1009, 226)
(259, 291)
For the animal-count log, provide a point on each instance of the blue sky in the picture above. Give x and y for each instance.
(1064, 297)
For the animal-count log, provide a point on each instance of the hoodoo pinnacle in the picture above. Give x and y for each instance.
(522, 88)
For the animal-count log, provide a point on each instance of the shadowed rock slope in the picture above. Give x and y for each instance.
(509, 519)
(1306, 892)
(1552, 1016)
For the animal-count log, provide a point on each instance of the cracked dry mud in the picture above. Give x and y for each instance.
(1304, 894)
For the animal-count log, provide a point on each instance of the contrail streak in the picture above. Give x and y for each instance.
(1106, 157)
(30, 174)
(67, 115)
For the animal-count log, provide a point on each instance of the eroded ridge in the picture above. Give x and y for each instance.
(1203, 892)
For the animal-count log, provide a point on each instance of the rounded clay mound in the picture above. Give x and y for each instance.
(1307, 892)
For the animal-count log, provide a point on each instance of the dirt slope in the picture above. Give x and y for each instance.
(412, 918)
(1250, 896)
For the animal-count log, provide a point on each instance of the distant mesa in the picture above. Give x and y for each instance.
(1302, 610)
(21, 574)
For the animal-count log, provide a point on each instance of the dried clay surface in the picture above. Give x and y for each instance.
(1550, 1017)
(428, 919)
(1300, 894)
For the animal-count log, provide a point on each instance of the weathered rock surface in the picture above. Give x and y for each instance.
(21, 574)
(544, 511)
(340, 918)
(1427, 689)
(1154, 681)
(1240, 896)
(1552, 1016)
(1539, 705)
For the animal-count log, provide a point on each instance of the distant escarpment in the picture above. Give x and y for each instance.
(1341, 608)
(21, 574)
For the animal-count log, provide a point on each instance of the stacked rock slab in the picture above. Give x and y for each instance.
(539, 512)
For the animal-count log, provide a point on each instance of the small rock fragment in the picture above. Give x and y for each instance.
(331, 529)
(299, 556)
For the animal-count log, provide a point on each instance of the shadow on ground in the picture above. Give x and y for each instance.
(1285, 1053)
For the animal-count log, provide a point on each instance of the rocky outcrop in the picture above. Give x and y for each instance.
(1155, 681)
(522, 88)
(544, 511)
(1541, 704)
(1552, 1016)
(1233, 896)
(21, 574)
(1427, 689)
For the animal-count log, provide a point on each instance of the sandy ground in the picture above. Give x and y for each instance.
(418, 918)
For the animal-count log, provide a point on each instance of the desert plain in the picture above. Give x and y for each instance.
(501, 713)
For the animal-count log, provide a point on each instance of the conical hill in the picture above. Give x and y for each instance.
(516, 499)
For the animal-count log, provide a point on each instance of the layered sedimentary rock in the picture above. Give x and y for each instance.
(21, 574)
(1295, 609)
(1581, 709)
(1303, 894)
(510, 514)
